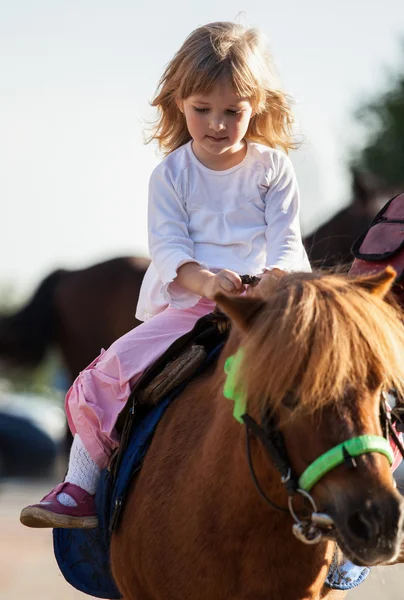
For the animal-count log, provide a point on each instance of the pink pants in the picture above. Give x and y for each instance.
(100, 392)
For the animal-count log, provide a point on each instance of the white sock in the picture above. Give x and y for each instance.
(82, 471)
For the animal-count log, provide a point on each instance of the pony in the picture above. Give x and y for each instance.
(76, 312)
(307, 362)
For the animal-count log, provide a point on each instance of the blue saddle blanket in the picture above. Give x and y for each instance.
(83, 554)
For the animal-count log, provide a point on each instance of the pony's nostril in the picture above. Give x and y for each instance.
(363, 527)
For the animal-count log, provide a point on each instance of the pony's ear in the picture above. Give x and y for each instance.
(242, 310)
(378, 283)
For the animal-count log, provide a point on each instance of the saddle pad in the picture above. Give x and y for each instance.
(83, 554)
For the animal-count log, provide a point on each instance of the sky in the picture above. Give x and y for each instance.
(76, 80)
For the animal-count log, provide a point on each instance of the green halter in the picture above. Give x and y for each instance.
(337, 456)
(324, 463)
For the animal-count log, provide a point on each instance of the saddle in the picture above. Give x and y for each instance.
(169, 373)
(382, 244)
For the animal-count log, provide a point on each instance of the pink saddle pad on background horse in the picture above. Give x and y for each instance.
(382, 244)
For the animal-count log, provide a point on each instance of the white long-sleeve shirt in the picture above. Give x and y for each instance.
(245, 219)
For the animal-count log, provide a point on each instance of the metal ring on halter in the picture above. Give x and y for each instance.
(318, 525)
(305, 495)
(307, 533)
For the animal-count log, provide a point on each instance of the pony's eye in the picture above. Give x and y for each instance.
(290, 401)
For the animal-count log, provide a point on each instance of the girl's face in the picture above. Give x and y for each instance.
(217, 123)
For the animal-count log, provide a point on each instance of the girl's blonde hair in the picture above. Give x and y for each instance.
(212, 53)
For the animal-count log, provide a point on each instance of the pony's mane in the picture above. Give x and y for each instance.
(319, 336)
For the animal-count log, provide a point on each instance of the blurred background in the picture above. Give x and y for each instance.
(75, 86)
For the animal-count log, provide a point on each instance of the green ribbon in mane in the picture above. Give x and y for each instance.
(231, 389)
(325, 463)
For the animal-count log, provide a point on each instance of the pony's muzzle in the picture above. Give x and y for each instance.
(372, 530)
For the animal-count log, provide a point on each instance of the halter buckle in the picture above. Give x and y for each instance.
(312, 530)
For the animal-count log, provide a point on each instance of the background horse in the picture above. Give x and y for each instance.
(77, 312)
(317, 353)
(330, 244)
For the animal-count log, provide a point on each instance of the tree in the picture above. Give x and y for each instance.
(383, 151)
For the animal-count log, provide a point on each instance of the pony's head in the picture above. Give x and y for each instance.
(319, 350)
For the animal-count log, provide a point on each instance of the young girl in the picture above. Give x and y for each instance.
(223, 202)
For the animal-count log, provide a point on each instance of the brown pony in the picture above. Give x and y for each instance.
(330, 244)
(317, 353)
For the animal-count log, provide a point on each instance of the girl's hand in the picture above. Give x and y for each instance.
(225, 281)
(266, 285)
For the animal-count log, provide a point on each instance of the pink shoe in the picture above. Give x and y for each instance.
(49, 512)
